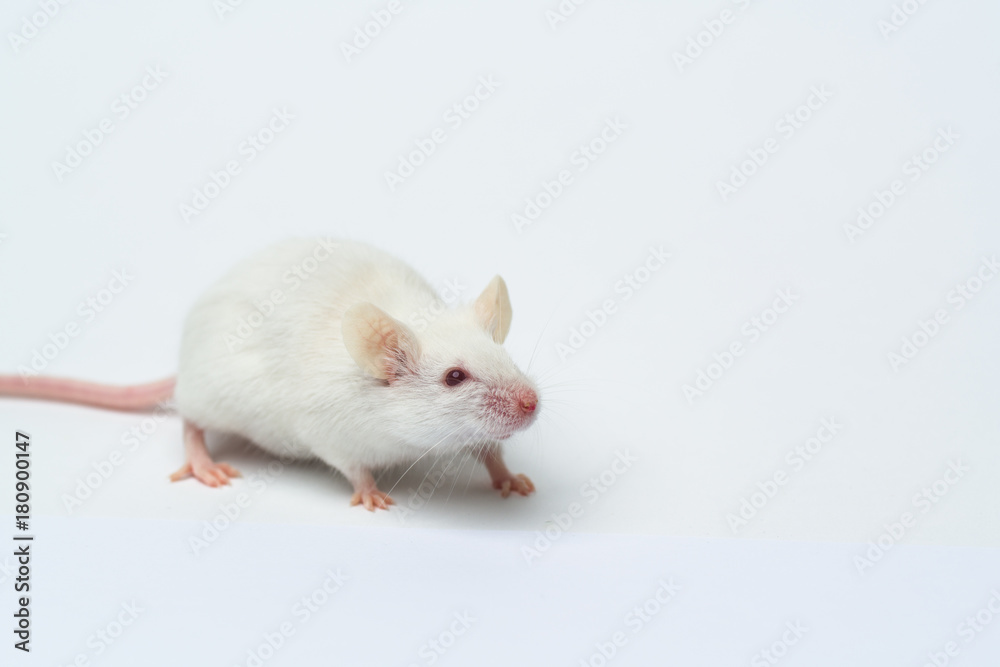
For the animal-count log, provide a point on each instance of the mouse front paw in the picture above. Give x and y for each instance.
(513, 483)
(372, 499)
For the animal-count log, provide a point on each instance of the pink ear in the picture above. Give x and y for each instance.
(380, 345)
(493, 310)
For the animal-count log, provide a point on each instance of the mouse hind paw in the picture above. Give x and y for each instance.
(208, 473)
(199, 463)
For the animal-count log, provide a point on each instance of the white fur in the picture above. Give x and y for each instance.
(291, 386)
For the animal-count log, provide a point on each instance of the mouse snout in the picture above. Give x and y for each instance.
(527, 400)
(511, 407)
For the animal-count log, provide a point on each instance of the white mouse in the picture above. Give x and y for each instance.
(304, 350)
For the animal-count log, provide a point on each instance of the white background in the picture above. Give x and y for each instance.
(622, 391)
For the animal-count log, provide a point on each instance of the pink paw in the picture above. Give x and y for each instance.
(372, 499)
(516, 483)
(208, 473)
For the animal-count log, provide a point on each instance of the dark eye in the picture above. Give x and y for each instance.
(454, 377)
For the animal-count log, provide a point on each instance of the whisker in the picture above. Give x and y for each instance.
(471, 448)
(429, 449)
(461, 466)
(538, 342)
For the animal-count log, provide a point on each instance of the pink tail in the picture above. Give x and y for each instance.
(131, 397)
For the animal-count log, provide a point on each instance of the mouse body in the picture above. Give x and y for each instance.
(305, 350)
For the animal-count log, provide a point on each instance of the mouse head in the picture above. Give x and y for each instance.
(455, 378)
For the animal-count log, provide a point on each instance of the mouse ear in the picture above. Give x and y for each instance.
(381, 345)
(493, 309)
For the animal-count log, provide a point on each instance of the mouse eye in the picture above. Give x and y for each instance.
(455, 377)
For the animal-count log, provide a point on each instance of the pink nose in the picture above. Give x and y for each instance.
(529, 401)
